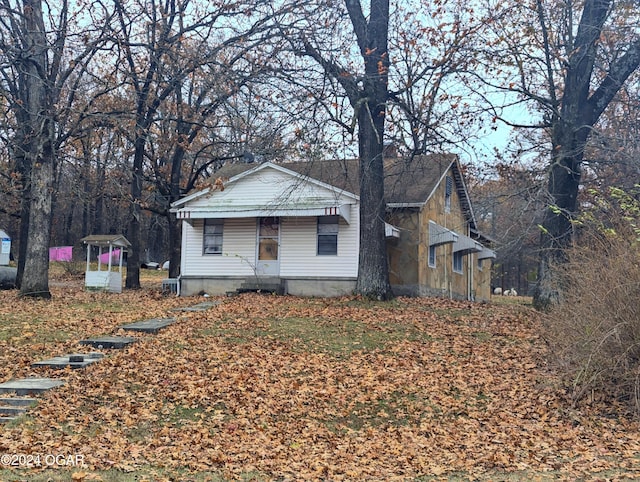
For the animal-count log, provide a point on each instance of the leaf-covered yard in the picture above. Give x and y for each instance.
(281, 388)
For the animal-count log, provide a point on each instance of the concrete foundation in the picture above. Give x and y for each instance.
(321, 287)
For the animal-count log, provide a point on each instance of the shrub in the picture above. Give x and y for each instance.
(594, 333)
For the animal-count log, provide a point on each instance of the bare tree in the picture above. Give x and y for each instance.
(38, 60)
(567, 61)
(176, 40)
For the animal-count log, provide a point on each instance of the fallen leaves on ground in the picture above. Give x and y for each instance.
(306, 389)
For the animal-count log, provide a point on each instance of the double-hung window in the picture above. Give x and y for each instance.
(327, 235)
(432, 256)
(457, 262)
(213, 230)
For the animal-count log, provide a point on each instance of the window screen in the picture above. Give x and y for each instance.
(327, 235)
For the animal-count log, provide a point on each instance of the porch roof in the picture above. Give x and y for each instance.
(247, 211)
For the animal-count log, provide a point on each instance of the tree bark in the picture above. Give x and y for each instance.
(35, 278)
(175, 239)
(373, 269)
(23, 168)
(133, 233)
(175, 226)
(557, 234)
(370, 105)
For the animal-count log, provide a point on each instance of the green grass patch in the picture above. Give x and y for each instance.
(338, 338)
(180, 415)
(482, 336)
(22, 330)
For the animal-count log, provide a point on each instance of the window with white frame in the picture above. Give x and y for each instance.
(457, 261)
(479, 263)
(213, 230)
(327, 235)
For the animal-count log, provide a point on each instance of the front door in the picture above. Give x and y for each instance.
(268, 263)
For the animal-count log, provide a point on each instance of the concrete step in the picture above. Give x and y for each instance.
(29, 386)
(18, 401)
(152, 326)
(264, 285)
(13, 407)
(6, 410)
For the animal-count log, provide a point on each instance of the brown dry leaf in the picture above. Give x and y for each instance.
(291, 388)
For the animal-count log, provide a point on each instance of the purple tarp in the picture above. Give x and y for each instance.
(115, 257)
(61, 253)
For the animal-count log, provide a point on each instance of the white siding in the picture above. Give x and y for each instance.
(298, 235)
(238, 249)
(298, 248)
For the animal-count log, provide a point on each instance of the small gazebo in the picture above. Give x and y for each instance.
(111, 247)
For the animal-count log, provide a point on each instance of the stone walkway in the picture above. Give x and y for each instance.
(21, 392)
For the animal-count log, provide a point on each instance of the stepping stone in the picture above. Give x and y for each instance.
(109, 341)
(74, 360)
(153, 325)
(17, 401)
(12, 408)
(199, 307)
(29, 386)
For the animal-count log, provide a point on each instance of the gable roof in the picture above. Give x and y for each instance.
(106, 240)
(234, 172)
(408, 183)
(270, 190)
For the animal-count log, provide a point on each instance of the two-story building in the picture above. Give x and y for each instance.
(297, 224)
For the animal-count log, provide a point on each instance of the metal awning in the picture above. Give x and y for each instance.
(440, 235)
(486, 253)
(342, 210)
(467, 245)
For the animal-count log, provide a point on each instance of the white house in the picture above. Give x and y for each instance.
(269, 224)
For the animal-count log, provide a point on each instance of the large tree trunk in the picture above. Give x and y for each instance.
(175, 239)
(175, 226)
(134, 235)
(557, 234)
(569, 143)
(35, 278)
(569, 139)
(373, 271)
(23, 168)
(580, 108)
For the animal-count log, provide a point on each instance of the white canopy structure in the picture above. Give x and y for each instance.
(105, 277)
